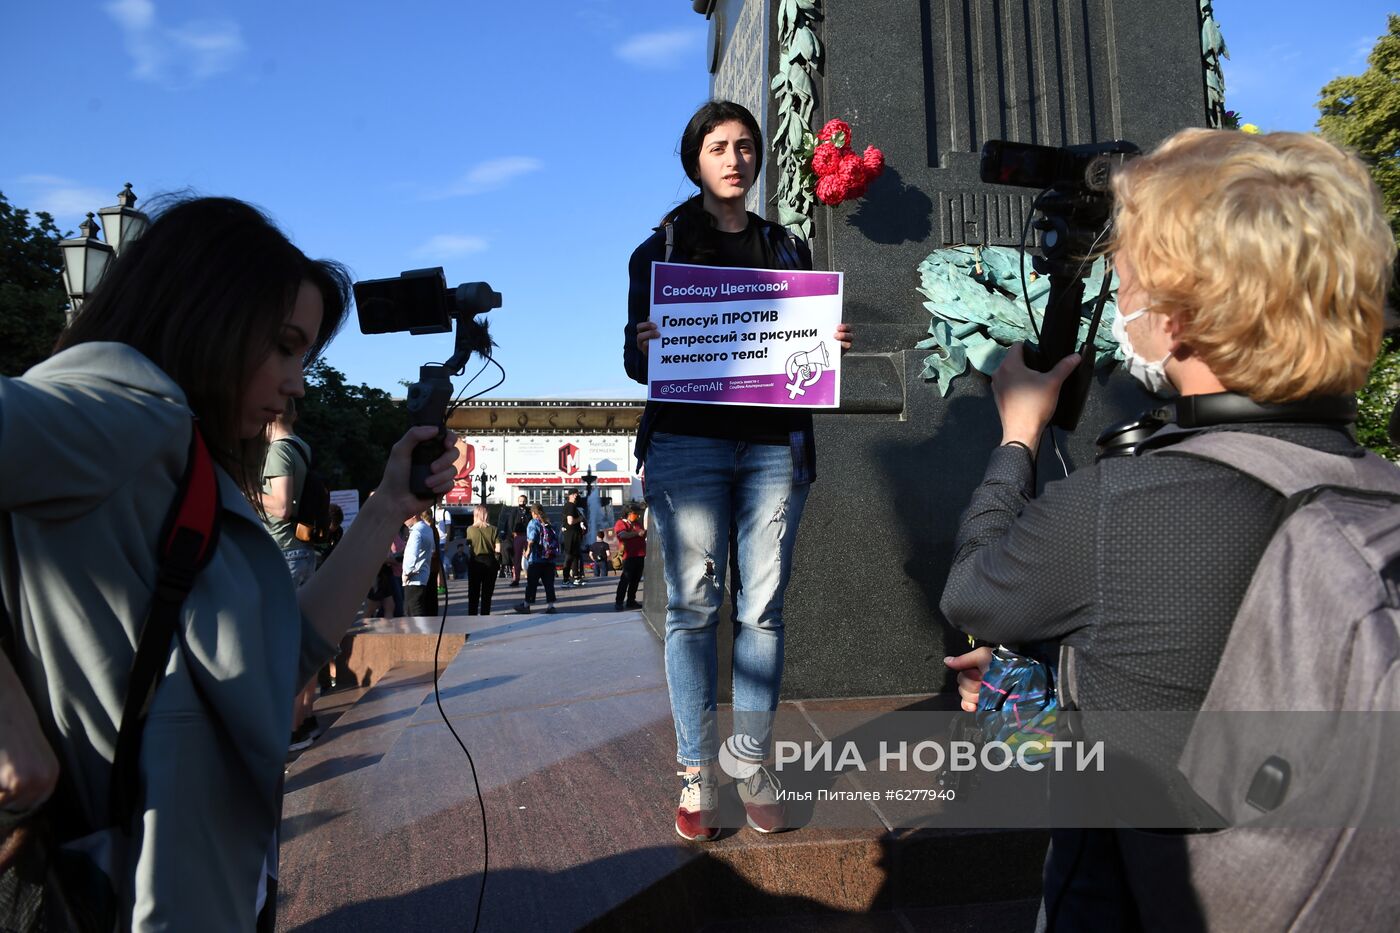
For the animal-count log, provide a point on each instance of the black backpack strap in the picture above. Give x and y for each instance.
(187, 541)
(784, 246)
(305, 457)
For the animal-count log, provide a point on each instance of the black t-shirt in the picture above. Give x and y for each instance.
(517, 519)
(744, 250)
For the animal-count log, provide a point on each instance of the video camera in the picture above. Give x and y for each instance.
(419, 302)
(1075, 207)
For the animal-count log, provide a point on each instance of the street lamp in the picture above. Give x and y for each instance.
(484, 487)
(85, 257)
(122, 223)
(84, 260)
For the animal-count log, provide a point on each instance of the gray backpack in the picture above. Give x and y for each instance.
(1319, 630)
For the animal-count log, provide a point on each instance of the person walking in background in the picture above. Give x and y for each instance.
(513, 524)
(419, 587)
(333, 675)
(713, 469)
(283, 477)
(572, 543)
(437, 574)
(460, 557)
(632, 539)
(598, 550)
(444, 538)
(285, 466)
(396, 549)
(380, 599)
(504, 536)
(541, 548)
(576, 507)
(334, 533)
(485, 562)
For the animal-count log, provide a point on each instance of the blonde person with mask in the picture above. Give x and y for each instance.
(1253, 271)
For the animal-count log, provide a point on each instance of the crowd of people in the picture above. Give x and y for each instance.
(1253, 269)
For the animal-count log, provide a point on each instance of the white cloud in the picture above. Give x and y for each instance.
(1361, 49)
(451, 245)
(175, 56)
(489, 176)
(662, 49)
(67, 200)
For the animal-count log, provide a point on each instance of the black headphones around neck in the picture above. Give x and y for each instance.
(1193, 412)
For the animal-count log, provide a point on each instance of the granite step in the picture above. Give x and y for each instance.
(567, 719)
(322, 791)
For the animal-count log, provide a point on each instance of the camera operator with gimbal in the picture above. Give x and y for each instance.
(1253, 273)
(147, 684)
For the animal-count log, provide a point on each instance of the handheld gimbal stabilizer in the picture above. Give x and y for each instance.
(1075, 207)
(420, 302)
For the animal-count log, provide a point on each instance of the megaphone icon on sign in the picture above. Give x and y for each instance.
(804, 368)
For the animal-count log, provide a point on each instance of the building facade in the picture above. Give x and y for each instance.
(544, 450)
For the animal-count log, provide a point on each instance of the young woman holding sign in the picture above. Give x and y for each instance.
(726, 485)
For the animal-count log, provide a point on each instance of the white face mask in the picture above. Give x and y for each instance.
(1152, 375)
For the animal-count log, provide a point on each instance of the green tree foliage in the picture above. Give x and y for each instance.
(32, 298)
(1377, 399)
(1362, 112)
(350, 428)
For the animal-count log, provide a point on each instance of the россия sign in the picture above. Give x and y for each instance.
(745, 336)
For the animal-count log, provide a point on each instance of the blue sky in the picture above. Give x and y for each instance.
(530, 145)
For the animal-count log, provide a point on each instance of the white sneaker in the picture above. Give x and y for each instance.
(762, 806)
(695, 816)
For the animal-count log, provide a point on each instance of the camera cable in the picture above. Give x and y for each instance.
(1099, 303)
(1025, 292)
(437, 695)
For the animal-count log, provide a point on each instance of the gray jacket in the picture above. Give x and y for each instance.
(92, 443)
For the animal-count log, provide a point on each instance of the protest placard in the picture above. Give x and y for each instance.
(349, 502)
(745, 336)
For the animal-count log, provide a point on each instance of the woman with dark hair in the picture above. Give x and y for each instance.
(721, 477)
(203, 324)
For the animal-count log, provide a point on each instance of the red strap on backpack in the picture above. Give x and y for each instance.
(187, 541)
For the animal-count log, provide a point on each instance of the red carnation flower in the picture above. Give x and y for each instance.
(832, 128)
(874, 161)
(825, 159)
(851, 169)
(831, 190)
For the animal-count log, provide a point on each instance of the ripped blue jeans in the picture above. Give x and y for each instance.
(697, 488)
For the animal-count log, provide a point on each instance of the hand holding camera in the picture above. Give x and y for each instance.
(407, 463)
(1026, 399)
